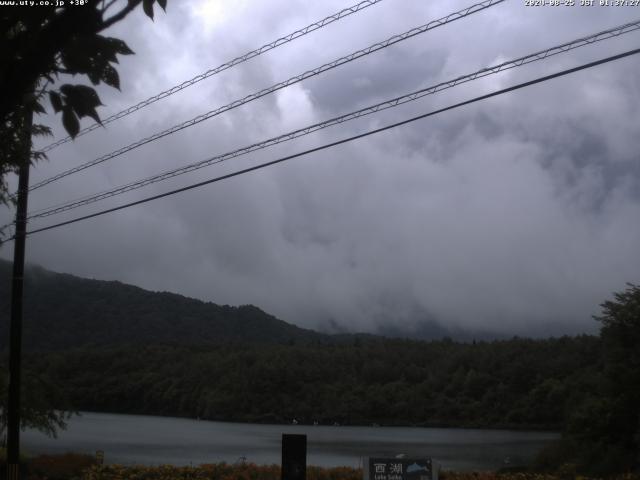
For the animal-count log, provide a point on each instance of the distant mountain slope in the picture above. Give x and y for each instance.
(106, 346)
(63, 311)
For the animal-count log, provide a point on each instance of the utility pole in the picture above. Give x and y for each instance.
(15, 335)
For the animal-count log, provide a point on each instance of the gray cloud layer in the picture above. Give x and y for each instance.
(518, 214)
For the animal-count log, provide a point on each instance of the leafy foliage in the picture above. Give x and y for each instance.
(620, 334)
(60, 467)
(38, 394)
(249, 471)
(602, 431)
(37, 46)
(214, 471)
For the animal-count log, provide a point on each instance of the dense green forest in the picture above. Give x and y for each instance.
(517, 383)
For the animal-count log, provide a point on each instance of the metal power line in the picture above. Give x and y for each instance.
(533, 57)
(225, 66)
(278, 86)
(339, 142)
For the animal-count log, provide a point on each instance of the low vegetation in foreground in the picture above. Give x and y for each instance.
(73, 466)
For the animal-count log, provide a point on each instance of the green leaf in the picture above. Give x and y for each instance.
(94, 76)
(67, 89)
(82, 99)
(119, 46)
(37, 108)
(91, 54)
(147, 6)
(80, 93)
(39, 130)
(104, 49)
(70, 121)
(56, 101)
(36, 156)
(163, 4)
(110, 76)
(77, 55)
(91, 112)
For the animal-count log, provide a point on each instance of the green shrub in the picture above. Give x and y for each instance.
(59, 467)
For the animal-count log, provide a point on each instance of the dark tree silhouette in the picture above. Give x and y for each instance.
(37, 45)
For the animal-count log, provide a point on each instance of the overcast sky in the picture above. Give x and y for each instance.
(517, 214)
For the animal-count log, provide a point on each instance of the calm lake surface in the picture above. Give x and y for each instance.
(136, 439)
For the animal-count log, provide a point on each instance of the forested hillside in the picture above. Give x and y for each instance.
(107, 346)
(63, 311)
(516, 383)
(110, 347)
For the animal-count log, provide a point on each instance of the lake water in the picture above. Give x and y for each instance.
(136, 439)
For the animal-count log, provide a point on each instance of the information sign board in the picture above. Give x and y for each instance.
(406, 468)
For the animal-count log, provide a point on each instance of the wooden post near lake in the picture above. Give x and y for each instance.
(294, 457)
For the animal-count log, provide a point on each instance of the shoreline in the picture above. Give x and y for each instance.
(502, 427)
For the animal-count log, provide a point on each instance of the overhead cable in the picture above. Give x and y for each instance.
(394, 102)
(225, 66)
(339, 142)
(278, 86)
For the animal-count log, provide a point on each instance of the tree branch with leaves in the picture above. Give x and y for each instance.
(37, 46)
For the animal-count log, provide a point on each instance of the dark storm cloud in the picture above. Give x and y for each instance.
(516, 215)
(378, 78)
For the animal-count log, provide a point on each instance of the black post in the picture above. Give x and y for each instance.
(294, 457)
(15, 335)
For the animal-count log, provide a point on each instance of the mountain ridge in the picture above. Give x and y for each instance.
(92, 312)
(166, 354)
(106, 313)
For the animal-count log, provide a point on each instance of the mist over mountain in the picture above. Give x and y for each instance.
(65, 311)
